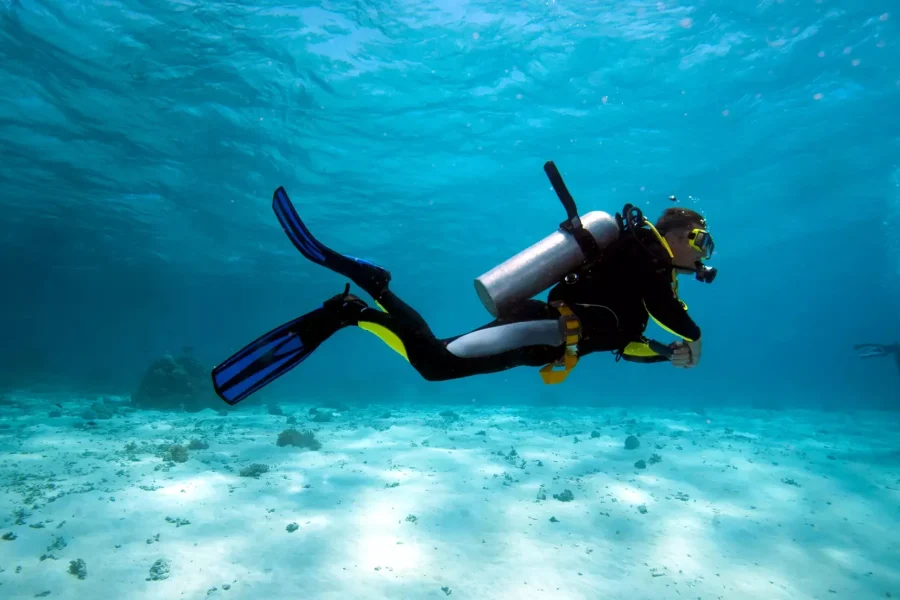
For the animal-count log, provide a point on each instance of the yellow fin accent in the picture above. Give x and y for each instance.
(385, 335)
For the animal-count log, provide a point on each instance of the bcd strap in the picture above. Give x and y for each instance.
(570, 327)
(633, 219)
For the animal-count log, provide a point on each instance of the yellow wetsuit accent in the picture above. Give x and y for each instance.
(384, 334)
(639, 349)
(663, 325)
(671, 254)
(641, 352)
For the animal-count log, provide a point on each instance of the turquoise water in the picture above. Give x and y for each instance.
(141, 142)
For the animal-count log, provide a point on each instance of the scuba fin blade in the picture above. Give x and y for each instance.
(260, 362)
(367, 275)
(293, 226)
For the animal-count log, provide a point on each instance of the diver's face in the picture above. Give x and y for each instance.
(685, 254)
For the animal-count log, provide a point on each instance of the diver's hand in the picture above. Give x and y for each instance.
(681, 356)
(872, 350)
(686, 356)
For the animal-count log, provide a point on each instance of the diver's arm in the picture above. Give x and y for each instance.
(875, 350)
(667, 310)
(644, 359)
(641, 352)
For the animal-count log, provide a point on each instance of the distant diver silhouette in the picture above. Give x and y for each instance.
(876, 350)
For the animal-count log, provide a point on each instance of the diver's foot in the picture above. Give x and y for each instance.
(369, 276)
(345, 306)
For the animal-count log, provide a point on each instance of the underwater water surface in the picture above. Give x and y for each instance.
(140, 145)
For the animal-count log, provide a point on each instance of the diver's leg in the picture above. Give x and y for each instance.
(529, 310)
(393, 304)
(533, 339)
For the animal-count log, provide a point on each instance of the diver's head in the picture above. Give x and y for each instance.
(685, 232)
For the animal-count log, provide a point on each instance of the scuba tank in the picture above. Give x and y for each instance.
(578, 241)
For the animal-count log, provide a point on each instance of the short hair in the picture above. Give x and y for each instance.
(678, 218)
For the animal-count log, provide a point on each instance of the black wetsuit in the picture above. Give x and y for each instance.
(615, 298)
(611, 299)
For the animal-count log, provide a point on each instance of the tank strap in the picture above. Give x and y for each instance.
(570, 327)
(586, 241)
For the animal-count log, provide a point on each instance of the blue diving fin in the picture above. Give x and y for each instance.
(261, 362)
(299, 235)
(270, 356)
(369, 276)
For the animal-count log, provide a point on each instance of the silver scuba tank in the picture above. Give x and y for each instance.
(543, 264)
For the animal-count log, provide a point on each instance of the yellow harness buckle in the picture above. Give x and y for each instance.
(570, 327)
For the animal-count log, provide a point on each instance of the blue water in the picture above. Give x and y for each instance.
(140, 143)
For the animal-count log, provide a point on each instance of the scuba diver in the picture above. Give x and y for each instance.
(609, 275)
(877, 350)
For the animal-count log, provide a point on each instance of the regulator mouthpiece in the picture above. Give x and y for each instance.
(704, 273)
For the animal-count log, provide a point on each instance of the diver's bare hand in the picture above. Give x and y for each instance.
(685, 356)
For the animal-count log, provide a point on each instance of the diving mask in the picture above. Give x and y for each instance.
(701, 241)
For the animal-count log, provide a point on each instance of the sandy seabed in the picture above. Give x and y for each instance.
(437, 501)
